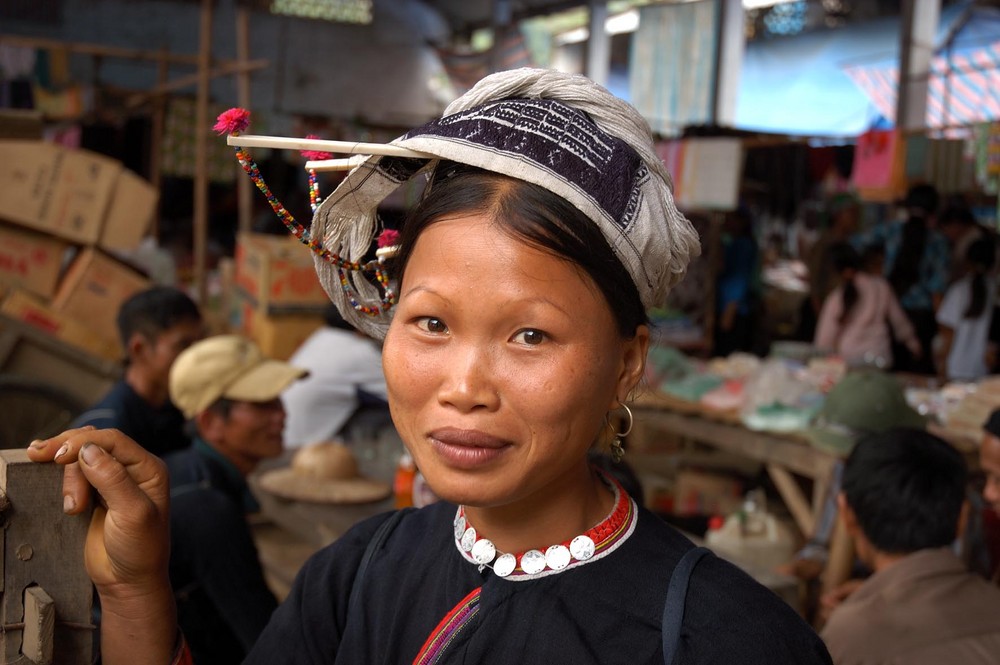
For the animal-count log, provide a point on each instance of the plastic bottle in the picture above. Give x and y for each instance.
(752, 535)
(402, 485)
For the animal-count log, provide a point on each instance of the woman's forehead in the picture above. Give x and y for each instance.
(476, 256)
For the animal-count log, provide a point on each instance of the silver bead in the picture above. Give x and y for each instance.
(468, 539)
(483, 551)
(582, 548)
(505, 565)
(533, 562)
(557, 557)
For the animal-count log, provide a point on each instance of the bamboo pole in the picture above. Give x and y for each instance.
(156, 143)
(243, 192)
(192, 79)
(320, 165)
(201, 127)
(101, 50)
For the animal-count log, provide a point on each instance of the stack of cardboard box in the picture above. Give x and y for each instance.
(61, 211)
(279, 300)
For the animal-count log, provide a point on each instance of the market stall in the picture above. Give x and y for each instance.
(766, 412)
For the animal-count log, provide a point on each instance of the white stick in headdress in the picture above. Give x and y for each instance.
(323, 145)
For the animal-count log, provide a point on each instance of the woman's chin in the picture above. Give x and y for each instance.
(466, 493)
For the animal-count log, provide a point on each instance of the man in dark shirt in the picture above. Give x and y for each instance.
(231, 392)
(155, 326)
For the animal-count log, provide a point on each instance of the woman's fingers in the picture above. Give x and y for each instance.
(126, 476)
(127, 543)
(123, 492)
(45, 450)
(76, 490)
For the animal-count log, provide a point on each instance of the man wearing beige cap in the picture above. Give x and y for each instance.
(230, 392)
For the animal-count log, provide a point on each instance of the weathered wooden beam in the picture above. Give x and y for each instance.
(42, 551)
(104, 51)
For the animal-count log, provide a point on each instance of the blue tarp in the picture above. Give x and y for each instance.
(798, 85)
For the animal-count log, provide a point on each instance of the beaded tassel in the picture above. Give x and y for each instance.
(235, 121)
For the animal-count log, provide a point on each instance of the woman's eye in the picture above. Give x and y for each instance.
(432, 325)
(530, 337)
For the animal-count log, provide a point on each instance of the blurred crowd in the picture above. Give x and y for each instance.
(913, 291)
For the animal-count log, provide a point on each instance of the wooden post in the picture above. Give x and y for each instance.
(201, 129)
(47, 596)
(156, 131)
(599, 43)
(918, 27)
(841, 558)
(243, 190)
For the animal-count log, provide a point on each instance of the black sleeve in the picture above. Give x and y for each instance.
(307, 626)
(214, 539)
(759, 629)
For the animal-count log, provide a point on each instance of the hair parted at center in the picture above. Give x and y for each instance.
(534, 215)
(906, 487)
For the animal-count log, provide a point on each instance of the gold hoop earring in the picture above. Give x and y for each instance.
(617, 450)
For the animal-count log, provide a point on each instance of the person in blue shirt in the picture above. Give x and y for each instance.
(734, 286)
(155, 326)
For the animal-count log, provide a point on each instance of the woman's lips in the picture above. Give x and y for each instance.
(467, 449)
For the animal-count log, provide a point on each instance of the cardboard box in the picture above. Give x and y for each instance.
(705, 493)
(31, 261)
(277, 274)
(21, 306)
(94, 287)
(62, 192)
(277, 335)
(71, 193)
(133, 207)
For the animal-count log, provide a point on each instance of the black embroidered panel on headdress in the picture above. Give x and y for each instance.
(557, 138)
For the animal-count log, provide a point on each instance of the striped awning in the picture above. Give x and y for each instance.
(964, 86)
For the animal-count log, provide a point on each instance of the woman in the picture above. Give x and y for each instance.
(524, 274)
(856, 317)
(842, 213)
(965, 315)
(917, 264)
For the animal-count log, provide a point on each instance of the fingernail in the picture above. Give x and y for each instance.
(88, 427)
(62, 451)
(69, 503)
(37, 444)
(90, 453)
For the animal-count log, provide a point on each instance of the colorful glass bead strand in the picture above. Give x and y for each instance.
(235, 121)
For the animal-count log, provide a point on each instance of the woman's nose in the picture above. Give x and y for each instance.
(471, 381)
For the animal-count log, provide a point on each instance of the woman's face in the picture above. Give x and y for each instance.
(501, 363)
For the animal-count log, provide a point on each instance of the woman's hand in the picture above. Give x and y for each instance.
(128, 544)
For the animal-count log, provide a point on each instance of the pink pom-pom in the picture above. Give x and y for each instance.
(233, 121)
(388, 238)
(316, 155)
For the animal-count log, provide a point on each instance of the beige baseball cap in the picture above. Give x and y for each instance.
(227, 366)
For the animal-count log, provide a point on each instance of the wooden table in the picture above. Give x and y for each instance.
(783, 455)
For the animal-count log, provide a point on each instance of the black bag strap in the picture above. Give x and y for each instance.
(375, 544)
(673, 612)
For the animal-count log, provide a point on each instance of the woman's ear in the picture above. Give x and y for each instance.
(633, 363)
